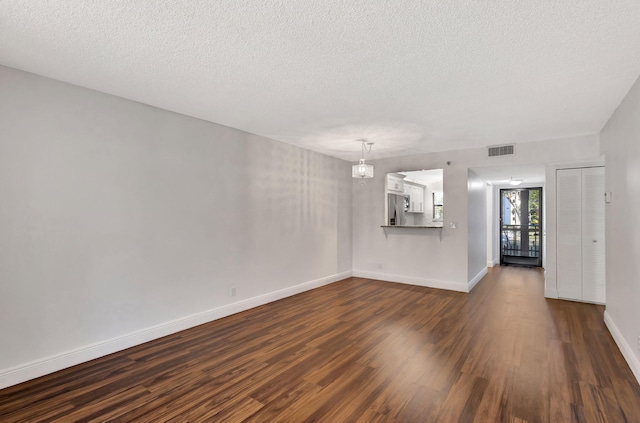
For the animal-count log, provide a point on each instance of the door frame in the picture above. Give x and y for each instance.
(539, 262)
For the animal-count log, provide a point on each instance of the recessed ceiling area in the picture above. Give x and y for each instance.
(411, 76)
(501, 175)
(427, 177)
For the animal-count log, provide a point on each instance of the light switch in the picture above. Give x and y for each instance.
(453, 225)
(607, 197)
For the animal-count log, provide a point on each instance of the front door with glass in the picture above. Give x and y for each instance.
(520, 226)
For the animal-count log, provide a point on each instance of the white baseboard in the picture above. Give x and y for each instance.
(491, 263)
(626, 350)
(551, 293)
(477, 278)
(41, 367)
(429, 283)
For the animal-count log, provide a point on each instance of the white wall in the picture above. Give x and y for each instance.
(621, 144)
(438, 257)
(491, 232)
(428, 257)
(495, 235)
(117, 217)
(477, 228)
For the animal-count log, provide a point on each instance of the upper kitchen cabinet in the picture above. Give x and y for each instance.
(415, 192)
(395, 183)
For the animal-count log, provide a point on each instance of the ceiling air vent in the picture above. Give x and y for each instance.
(502, 150)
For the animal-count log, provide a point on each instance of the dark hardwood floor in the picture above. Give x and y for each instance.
(360, 350)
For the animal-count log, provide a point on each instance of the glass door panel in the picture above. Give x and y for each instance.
(520, 226)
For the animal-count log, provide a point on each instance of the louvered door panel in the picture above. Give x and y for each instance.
(569, 233)
(593, 239)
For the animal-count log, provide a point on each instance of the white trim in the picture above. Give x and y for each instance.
(41, 367)
(551, 293)
(477, 278)
(429, 283)
(491, 263)
(576, 300)
(625, 348)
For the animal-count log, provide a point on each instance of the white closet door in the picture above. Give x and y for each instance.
(569, 233)
(593, 243)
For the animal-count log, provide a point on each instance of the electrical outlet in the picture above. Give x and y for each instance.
(232, 291)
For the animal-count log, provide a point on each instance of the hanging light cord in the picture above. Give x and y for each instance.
(364, 147)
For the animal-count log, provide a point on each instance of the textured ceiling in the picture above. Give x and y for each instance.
(412, 76)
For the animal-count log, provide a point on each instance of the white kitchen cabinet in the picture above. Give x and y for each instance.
(416, 197)
(395, 183)
(580, 268)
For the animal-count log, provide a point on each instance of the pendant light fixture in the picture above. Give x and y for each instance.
(362, 170)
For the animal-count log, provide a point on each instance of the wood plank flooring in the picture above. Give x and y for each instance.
(360, 351)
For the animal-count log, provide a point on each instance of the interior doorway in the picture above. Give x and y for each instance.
(521, 226)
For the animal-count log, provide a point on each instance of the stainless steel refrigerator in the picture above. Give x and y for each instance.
(396, 209)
